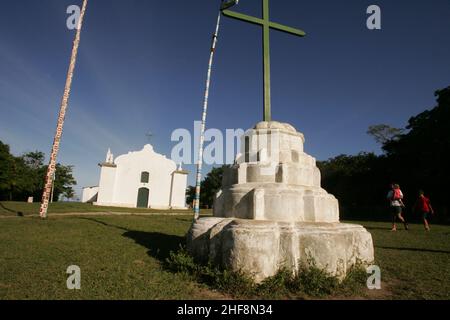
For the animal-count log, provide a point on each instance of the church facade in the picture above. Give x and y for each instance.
(141, 179)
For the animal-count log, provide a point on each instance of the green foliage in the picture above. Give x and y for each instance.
(356, 180)
(64, 181)
(229, 282)
(23, 176)
(354, 282)
(383, 133)
(314, 281)
(237, 284)
(420, 157)
(190, 195)
(209, 187)
(181, 261)
(6, 167)
(415, 157)
(15, 177)
(34, 160)
(308, 281)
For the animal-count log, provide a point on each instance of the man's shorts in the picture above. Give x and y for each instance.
(426, 215)
(396, 210)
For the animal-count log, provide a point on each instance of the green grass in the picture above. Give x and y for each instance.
(123, 257)
(414, 264)
(120, 258)
(8, 208)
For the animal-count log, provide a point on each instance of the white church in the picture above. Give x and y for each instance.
(141, 179)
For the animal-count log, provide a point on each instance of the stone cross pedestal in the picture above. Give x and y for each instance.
(272, 212)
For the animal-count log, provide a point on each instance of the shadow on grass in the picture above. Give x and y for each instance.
(378, 228)
(159, 245)
(18, 213)
(414, 249)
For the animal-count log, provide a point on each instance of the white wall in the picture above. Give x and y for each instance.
(89, 193)
(119, 186)
(179, 183)
(106, 185)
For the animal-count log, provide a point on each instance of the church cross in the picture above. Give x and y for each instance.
(149, 136)
(267, 25)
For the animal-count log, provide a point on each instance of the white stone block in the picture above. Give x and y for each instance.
(273, 213)
(262, 248)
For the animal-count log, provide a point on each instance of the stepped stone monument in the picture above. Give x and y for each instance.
(271, 212)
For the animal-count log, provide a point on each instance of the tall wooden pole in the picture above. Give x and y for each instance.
(62, 114)
(53, 188)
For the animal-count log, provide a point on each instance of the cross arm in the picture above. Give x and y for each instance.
(279, 27)
(258, 21)
(243, 17)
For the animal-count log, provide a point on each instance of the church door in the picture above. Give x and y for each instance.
(142, 200)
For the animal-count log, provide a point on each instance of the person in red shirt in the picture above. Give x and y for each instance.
(423, 206)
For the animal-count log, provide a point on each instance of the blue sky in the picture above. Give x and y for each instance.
(142, 67)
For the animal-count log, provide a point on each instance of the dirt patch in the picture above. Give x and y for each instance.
(208, 294)
(385, 293)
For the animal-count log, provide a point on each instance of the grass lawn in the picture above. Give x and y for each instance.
(414, 264)
(121, 258)
(14, 208)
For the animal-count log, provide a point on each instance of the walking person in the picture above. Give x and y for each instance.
(395, 197)
(423, 206)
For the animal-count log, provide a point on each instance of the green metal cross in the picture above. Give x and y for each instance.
(267, 25)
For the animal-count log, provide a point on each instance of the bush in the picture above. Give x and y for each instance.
(182, 262)
(235, 283)
(314, 282)
(308, 281)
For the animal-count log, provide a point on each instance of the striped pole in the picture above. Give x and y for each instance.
(53, 188)
(62, 114)
(202, 132)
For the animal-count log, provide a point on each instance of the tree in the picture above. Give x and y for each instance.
(358, 180)
(415, 157)
(34, 160)
(64, 181)
(190, 195)
(22, 180)
(421, 156)
(23, 176)
(383, 133)
(6, 167)
(69, 194)
(33, 163)
(209, 187)
(14, 175)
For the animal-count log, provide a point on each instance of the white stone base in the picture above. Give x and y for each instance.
(261, 248)
(277, 202)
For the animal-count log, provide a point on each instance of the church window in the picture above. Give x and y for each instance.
(145, 176)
